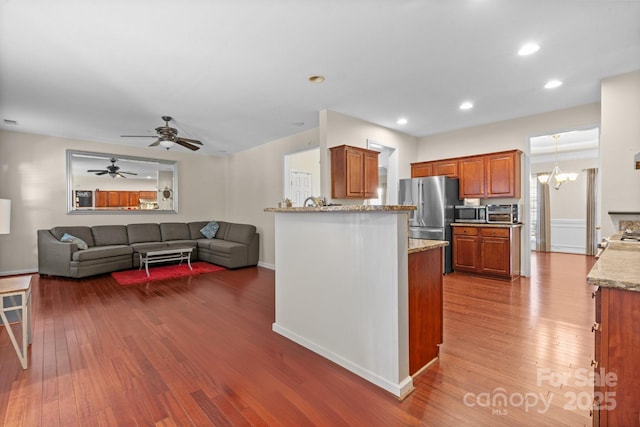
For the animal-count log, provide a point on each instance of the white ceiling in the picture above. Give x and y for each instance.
(234, 73)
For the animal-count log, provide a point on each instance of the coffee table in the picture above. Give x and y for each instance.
(12, 287)
(151, 256)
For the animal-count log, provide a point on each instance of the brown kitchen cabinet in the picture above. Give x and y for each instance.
(483, 176)
(616, 371)
(102, 200)
(134, 198)
(447, 167)
(425, 308)
(490, 175)
(491, 251)
(354, 173)
(149, 195)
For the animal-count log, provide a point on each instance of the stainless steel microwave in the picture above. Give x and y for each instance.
(504, 214)
(470, 213)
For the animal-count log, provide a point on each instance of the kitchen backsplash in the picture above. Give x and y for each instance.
(629, 225)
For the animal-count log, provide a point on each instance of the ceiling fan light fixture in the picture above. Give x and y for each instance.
(167, 143)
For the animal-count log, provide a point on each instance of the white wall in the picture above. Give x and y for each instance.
(33, 175)
(620, 141)
(338, 129)
(255, 181)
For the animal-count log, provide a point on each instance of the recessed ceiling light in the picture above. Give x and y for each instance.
(316, 79)
(466, 105)
(552, 84)
(528, 49)
(402, 121)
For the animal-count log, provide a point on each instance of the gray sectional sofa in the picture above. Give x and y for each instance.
(116, 247)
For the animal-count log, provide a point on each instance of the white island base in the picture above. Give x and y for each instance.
(342, 291)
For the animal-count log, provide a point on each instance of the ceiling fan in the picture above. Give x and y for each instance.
(112, 170)
(168, 137)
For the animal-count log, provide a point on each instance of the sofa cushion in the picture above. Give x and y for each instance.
(99, 252)
(222, 246)
(222, 231)
(107, 235)
(241, 233)
(68, 238)
(174, 231)
(210, 230)
(79, 231)
(194, 229)
(146, 232)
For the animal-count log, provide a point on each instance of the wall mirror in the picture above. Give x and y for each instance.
(114, 183)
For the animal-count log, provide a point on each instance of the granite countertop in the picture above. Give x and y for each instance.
(420, 245)
(618, 266)
(485, 224)
(344, 208)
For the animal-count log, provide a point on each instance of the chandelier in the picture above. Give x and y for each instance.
(556, 177)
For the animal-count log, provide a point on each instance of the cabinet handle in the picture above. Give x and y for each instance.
(594, 363)
(593, 294)
(596, 327)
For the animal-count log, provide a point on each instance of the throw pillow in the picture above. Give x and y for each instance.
(209, 231)
(66, 237)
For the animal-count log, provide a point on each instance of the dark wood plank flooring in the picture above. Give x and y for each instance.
(199, 351)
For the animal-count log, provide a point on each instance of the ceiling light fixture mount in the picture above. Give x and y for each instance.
(552, 84)
(402, 121)
(467, 105)
(316, 79)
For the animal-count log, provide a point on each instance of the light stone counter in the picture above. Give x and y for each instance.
(618, 266)
(421, 245)
(344, 208)
(485, 224)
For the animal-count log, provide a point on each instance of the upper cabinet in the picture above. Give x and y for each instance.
(354, 173)
(484, 176)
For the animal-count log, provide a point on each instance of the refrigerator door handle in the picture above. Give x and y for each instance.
(420, 203)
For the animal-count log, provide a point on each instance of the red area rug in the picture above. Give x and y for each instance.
(134, 277)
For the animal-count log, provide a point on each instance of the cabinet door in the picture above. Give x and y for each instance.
(124, 198)
(134, 198)
(102, 200)
(495, 256)
(370, 163)
(419, 170)
(503, 175)
(472, 177)
(465, 253)
(148, 195)
(113, 198)
(355, 173)
(446, 168)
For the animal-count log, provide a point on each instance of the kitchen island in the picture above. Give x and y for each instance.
(616, 276)
(343, 288)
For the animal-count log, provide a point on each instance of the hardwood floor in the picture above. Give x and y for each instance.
(199, 351)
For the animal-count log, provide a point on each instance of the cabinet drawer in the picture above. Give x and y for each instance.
(466, 231)
(495, 232)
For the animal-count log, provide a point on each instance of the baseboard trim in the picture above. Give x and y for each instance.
(18, 272)
(399, 390)
(266, 265)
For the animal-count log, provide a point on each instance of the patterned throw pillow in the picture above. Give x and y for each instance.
(209, 231)
(66, 237)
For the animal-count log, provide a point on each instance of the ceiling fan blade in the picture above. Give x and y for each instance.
(138, 136)
(155, 143)
(187, 145)
(192, 141)
(120, 175)
(102, 173)
(97, 170)
(128, 173)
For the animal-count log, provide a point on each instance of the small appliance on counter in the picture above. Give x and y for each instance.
(470, 213)
(503, 214)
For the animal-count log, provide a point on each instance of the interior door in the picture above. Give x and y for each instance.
(299, 187)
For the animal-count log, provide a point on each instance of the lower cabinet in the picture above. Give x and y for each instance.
(425, 307)
(492, 251)
(616, 368)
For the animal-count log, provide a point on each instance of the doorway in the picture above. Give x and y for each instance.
(558, 210)
(301, 175)
(387, 174)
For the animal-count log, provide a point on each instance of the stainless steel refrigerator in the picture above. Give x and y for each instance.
(434, 197)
